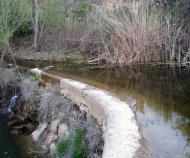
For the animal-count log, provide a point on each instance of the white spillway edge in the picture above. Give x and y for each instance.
(121, 132)
(36, 71)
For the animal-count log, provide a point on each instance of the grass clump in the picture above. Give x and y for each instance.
(7, 77)
(33, 78)
(62, 147)
(78, 144)
(30, 92)
(74, 147)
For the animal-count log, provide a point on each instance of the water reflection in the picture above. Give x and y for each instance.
(162, 102)
(164, 139)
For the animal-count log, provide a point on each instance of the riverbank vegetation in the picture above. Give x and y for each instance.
(55, 123)
(118, 32)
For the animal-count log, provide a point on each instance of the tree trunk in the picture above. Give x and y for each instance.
(175, 40)
(13, 58)
(2, 56)
(36, 23)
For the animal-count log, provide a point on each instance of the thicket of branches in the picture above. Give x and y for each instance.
(120, 32)
(14, 15)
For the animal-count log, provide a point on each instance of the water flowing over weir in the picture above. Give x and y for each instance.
(12, 103)
(11, 145)
(8, 146)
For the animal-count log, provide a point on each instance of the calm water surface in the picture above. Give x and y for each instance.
(161, 95)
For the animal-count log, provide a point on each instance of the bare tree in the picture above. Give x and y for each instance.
(13, 14)
(35, 7)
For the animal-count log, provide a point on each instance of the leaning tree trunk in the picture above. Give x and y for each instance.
(2, 56)
(35, 23)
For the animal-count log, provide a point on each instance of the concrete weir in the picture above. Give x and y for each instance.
(120, 130)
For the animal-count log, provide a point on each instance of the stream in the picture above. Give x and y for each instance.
(13, 146)
(159, 95)
(8, 146)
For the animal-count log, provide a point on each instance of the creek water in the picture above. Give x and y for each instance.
(160, 93)
(8, 146)
(13, 146)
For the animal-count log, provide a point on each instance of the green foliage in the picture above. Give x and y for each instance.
(23, 29)
(78, 150)
(62, 147)
(13, 13)
(28, 75)
(179, 10)
(34, 78)
(75, 145)
(52, 13)
(82, 9)
(72, 57)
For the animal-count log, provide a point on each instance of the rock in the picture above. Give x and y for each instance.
(44, 147)
(63, 130)
(61, 115)
(15, 132)
(51, 138)
(54, 126)
(52, 149)
(39, 131)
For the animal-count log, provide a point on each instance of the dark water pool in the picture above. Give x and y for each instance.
(13, 146)
(8, 146)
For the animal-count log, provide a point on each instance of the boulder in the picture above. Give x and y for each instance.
(52, 149)
(51, 138)
(36, 134)
(63, 130)
(54, 126)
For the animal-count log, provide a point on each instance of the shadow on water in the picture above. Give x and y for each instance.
(161, 94)
(8, 146)
(13, 146)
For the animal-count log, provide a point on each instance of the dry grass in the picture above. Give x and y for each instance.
(7, 77)
(52, 105)
(119, 31)
(29, 92)
(140, 33)
(130, 35)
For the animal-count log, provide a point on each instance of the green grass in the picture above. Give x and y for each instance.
(28, 75)
(34, 78)
(75, 145)
(62, 147)
(78, 150)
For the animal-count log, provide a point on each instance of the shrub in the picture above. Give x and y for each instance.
(65, 24)
(130, 35)
(13, 14)
(78, 150)
(75, 146)
(7, 77)
(30, 92)
(51, 103)
(62, 147)
(82, 9)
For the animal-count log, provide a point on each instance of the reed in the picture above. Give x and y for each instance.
(130, 35)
